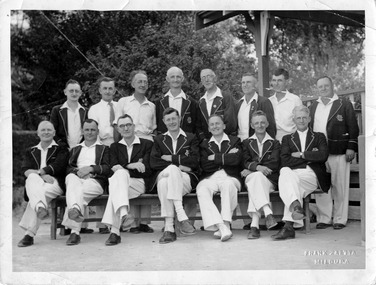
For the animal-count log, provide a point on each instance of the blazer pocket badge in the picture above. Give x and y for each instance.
(189, 120)
(315, 149)
(187, 152)
(339, 118)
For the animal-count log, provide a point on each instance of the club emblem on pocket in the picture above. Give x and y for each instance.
(340, 118)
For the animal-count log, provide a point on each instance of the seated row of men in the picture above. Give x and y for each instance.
(173, 166)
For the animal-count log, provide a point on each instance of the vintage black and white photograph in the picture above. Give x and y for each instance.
(188, 143)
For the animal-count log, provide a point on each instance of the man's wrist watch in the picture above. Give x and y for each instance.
(301, 155)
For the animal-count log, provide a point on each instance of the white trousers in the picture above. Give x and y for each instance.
(228, 187)
(339, 192)
(172, 184)
(38, 191)
(295, 185)
(258, 187)
(121, 188)
(79, 192)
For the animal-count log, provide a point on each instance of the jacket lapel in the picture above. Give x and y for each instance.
(36, 155)
(225, 146)
(82, 115)
(136, 149)
(165, 103)
(213, 147)
(296, 141)
(123, 152)
(184, 107)
(180, 143)
(254, 146)
(64, 117)
(168, 143)
(335, 107)
(267, 145)
(217, 103)
(50, 152)
(204, 111)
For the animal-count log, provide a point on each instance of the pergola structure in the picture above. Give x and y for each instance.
(261, 23)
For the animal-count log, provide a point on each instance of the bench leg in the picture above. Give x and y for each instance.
(307, 221)
(53, 220)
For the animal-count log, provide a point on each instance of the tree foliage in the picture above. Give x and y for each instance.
(84, 45)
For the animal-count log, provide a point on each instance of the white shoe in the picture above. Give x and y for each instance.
(226, 233)
(217, 234)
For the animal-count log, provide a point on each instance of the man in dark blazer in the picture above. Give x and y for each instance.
(44, 167)
(129, 160)
(220, 163)
(335, 117)
(88, 171)
(303, 156)
(250, 103)
(261, 160)
(214, 101)
(177, 99)
(175, 157)
(69, 117)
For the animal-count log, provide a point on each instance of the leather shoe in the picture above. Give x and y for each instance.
(104, 230)
(254, 233)
(75, 215)
(321, 226)
(86, 231)
(167, 237)
(113, 239)
(247, 227)
(186, 228)
(26, 241)
(285, 233)
(42, 213)
(338, 226)
(73, 239)
(270, 222)
(142, 228)
(298, 213)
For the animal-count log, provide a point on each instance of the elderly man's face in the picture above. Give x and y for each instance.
(46, 131)
(325, 87)
(140, 83)
(126, 128)
(175, 78)
(208, 78)
(301, 119)
(259, 124)
(249, 84)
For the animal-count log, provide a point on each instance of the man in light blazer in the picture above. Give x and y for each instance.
(175, 157)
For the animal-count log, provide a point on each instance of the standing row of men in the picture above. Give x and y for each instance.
(335, 118)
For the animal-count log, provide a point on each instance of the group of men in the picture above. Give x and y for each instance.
(176, 145)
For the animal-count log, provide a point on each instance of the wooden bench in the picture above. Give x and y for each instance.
(152, 199)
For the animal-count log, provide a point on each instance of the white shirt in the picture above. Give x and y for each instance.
(260, 145)
(43, 153)
(175, 141)
(74, 125)
(209, 102)
(130, 147)
(322, 115)
(283, 113)
(303, 138)
(101, 113)
(243, 117)
(177, 101)
(224, 138)
(87, 154)
(143, 115)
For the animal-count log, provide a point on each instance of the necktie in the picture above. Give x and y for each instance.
(253, 106)
(112, 113)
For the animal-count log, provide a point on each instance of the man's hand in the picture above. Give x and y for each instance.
(234, 150)
(84, 171)
(116, 167)
(166, 157)
(245, 172)
(139, 166)
(264, 170)
(29, 171)
(48, 178)
(185, 168)
(211, 157)
(350, 154)
(295, 154)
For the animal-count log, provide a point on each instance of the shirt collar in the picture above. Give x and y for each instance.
(65, 105)
(181, 132)
(218, 93)
(98, 142)
(105, 102)
(135, 141)
(39, 145)
(180, 95)
(254, 97)
(302, 133)
(224, 138)
(335, 97)
(146, 101)
(266, 138)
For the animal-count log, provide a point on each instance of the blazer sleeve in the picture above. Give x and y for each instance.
(145, 160)
(229, 114)
(72, 161)
(267, 107)
(54, 118)
(28, 162)
(286, 159)
(104, 167)
(230, 159)
(156, 162)
(191, 157)
(114, 155)
(352, 126)
(59, 165)
(320, 152)
(206, 165)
